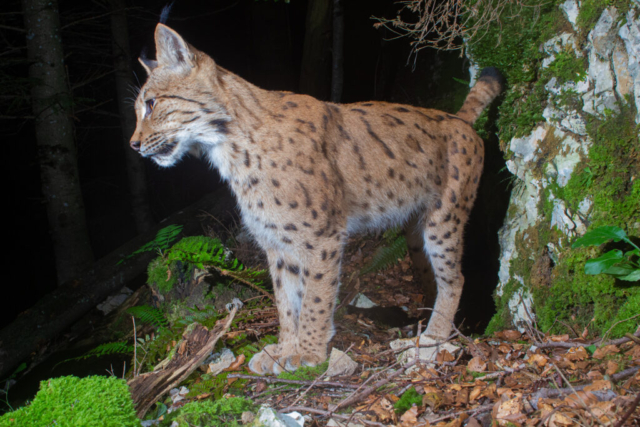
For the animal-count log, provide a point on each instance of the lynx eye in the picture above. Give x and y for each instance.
(149, 106)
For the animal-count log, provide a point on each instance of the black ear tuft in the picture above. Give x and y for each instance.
(166, 10)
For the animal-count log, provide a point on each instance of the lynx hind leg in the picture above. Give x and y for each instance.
(288, 290)
(443, 237)
(420, 264)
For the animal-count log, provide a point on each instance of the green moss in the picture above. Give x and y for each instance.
(408, 399)
(590, 11)
(158, 275)
(222, 412)
(81, 402)
(512, 44)
(306, 373)
(608, 177)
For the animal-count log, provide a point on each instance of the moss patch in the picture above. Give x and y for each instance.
(222, 412)
(82, 402)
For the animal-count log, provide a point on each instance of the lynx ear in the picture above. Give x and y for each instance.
(171, 49)
(148, 64)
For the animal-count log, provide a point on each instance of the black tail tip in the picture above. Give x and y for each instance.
(492, 73)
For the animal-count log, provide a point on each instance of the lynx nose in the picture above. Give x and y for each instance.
(135, 145)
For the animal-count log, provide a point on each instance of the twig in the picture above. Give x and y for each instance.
(367, 391)
(478, 410)
(562, 344)
(319, 377)
(631, 410)
(135, 346)
(299, 382)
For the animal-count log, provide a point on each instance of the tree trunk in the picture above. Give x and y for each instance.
(337, 68)
(316, 69)
(54, 313)
(52, 104)
(124, 87)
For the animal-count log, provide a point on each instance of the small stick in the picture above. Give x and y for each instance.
(299, 382)
(630, 412)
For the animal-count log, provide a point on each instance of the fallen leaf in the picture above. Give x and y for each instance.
(607, 350)
(538, 360)
(560, 338)
(511, 334)
(476, 365)
(598, 385)
(612, 367)
(577, 353)
(236, 365)
(409, 418)
(581, 399)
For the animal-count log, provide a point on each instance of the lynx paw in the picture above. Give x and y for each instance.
(269, 361)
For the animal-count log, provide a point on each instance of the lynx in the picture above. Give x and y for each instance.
(307, 173)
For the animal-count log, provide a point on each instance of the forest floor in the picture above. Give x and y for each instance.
(509, 378)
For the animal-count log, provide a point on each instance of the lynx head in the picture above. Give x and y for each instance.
(180, 108)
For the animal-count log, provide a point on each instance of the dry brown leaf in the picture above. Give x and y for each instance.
(473, 423)
(511, 334)
(581, 398)
(383, 409)
(558, 419)
(594, 375)
(409, 418)
(539, 360)
(598, 385)
(445, 356)
(612, 367)
(476, 365)
(576, 353)
(607, 350)
(236, 364)
(475, 393)
(510, 411)
(559, 338)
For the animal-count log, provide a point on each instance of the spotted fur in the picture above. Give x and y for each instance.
(307, 173)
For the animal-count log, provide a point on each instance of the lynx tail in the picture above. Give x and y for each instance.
(486, 89)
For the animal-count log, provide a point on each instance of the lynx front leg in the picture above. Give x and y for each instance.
(288, 289)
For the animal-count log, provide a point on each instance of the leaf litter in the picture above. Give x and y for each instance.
(511, 378)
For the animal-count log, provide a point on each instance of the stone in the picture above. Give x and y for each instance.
(558, 44)
(340, 364)
(426, 354)
(630, 35)
(585, 206)
(114, 301)
(561, 218)
(361, 301)
(620, 62)
(218, 362)
(521, 308)
(571, 11)
(268, 417)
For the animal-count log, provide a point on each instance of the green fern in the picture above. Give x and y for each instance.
(164, 237)
(386, 255)
(105, 349)
(148, 314)
(208, 316)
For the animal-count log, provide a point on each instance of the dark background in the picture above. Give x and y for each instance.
(262, 41)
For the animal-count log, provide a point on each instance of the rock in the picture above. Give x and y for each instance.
(178, 394)
(571, 10)
(561, 218)
(558, 44)
(521, 308)
(630, 35)
(340, 364)
(113, 302)
(427, 354)
(602, 40)
(218, 362)
(268, 417)
(620, 62)
(361, 301)
(247, 417)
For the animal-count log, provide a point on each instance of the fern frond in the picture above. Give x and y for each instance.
(386, 256)
(149, 315)
(118, 347)
(161, 242)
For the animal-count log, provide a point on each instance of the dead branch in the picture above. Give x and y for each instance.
(275, 380)
(332, 415)
(191, 351)
(563, 344)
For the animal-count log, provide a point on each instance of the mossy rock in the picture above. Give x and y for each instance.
(82, 402)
